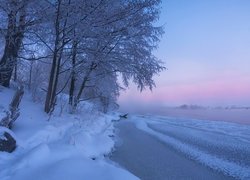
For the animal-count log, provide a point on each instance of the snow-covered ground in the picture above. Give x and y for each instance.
(73, 146)
(222, 146)
(64, 148)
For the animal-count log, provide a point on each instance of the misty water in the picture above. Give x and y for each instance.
(241, 116)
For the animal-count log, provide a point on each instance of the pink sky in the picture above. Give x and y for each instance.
(218, 92)
(206, 49)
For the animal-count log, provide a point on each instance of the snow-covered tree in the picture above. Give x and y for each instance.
(83, 47)
(119, 42)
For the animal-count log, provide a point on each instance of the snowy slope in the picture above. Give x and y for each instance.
(65, 147)
(219, 145)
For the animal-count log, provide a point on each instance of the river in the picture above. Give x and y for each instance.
(182, 149)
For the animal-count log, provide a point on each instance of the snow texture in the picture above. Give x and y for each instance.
(62, 148)
(219, 145)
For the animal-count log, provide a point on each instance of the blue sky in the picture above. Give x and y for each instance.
(206, 49)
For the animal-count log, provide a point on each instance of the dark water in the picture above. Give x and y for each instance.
(150, 159)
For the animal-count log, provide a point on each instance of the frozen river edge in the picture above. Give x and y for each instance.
(150, 158)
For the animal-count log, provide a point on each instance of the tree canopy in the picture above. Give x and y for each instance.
(79, 47)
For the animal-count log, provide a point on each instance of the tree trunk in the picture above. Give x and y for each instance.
(9, 56)
(51, 93)
(77, 99)
(15, 72)
(73, 74)
(72, 88)
(54, 73)
(13, 112)
(13, 41)
(30, 74)
(14, 105)
(83, 85)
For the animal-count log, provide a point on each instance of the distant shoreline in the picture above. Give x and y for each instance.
(239, 116)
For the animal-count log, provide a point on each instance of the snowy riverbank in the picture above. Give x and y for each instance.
(74, 146)
(65, 147)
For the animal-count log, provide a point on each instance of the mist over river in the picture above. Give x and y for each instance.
(241, 116)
